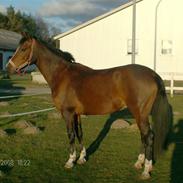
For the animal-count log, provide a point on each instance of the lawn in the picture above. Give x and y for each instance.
(112, 152)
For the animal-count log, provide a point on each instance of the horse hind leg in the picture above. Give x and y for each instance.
(141, 159)
(146, 156)
(147, 136)
(79, 134)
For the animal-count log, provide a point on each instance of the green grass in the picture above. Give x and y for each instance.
(41, 158)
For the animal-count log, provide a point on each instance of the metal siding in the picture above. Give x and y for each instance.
(103, 44)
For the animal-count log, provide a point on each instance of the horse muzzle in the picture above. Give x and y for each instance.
(10, 67)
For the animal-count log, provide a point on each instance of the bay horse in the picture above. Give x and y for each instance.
(79, 90)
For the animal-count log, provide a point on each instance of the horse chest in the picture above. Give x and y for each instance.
(67, 100)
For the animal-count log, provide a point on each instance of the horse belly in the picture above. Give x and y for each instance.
(101, 94)
(103, 106)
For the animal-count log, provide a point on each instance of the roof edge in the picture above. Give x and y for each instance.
(98, 18)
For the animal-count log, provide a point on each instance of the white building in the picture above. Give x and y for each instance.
(106, 41)
(8, 43)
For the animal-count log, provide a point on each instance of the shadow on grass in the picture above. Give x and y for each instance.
(125, 114)
(41, 128)
(7, 88)
(177, 157)
(6, 169)
(10, 131)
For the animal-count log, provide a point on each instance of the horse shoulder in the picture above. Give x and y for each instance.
(65, 95)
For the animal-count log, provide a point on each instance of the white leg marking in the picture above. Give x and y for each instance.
(82, 156)
(147, 169)
(70, 163)
(140, 161)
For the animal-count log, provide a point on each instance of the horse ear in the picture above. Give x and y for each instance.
(25, 35)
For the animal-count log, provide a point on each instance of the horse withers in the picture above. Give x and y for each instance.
(78, 89)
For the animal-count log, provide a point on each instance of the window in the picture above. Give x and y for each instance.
(129, 46)
(166, 47)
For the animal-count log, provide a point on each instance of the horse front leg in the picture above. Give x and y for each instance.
(79, 134)
(69, 119)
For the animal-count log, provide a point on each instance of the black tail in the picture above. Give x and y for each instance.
(162, 118)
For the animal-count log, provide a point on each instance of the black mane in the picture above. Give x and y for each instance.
(65, 55)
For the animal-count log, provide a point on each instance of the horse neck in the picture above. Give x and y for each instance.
(48, 63)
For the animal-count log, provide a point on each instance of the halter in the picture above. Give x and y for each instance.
(27, 63)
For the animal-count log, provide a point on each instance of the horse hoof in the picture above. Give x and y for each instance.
(81, 161)
(145, 176)
(68, 165)
(138, 166)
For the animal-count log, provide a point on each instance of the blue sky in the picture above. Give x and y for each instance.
(64, 14)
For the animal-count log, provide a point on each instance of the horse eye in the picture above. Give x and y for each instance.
(23, 49)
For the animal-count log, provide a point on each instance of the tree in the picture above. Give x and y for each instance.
(53, 31)
(20, 21)
(3, 21)
(42, 28)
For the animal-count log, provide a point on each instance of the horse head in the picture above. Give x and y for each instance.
(24, 54)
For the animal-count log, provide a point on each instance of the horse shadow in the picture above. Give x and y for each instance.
(125, 114)
(177, 156)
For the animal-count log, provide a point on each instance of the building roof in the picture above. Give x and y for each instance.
(9, 40)
(124, 6)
